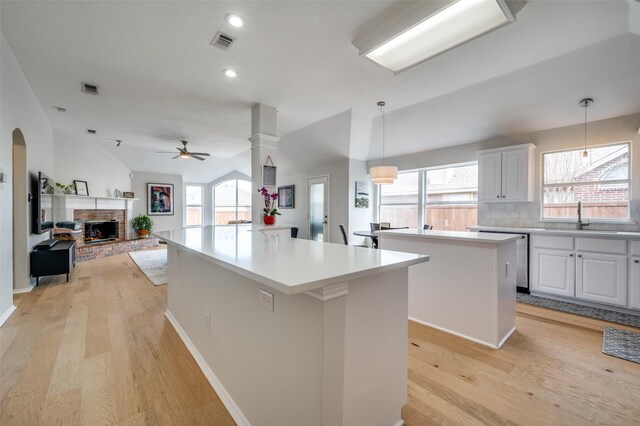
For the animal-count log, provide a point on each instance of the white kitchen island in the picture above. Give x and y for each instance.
(469, 286)
(329, 348)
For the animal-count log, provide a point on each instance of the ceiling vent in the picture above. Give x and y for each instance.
(90, 89)
(222, 41)
(91, 131)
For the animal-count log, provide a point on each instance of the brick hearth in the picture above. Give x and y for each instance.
(95, 251)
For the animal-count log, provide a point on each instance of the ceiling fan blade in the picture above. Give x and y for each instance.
(179, 149)
(204, 154)
(196, 157)
(177, 156)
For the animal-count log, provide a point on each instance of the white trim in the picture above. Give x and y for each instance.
(399, 423)
(465, 336)
(24, 290)
(504, 339)
(329, 292)
(7, 314)
(222, 393)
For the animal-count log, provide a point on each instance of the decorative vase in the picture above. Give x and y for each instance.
(269, 220)
(142, 233)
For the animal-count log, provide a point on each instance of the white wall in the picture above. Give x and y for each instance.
(359, 218)
(139, 187)
(19, 108)
(78, 157)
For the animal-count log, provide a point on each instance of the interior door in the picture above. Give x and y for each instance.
(319, 208)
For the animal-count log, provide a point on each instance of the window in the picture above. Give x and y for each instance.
(449, 198)
(600, 182)
(193, 205)
(399, 201)
(232, 202)
(451, 202)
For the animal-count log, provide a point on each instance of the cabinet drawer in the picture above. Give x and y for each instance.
(549, 242)
(635, 248)
(601, 245)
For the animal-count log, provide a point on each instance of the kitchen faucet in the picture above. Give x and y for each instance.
(580, 224)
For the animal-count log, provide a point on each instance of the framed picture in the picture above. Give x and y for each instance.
(81, 187)
(286, 197)
(159, 199)
(269, 175)
(127, 194)
(362, 195)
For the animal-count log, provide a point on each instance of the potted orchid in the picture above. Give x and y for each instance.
(270, 211)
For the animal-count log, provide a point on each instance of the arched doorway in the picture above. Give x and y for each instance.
(20, 212)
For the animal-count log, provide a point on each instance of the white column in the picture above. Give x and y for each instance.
(263, 145)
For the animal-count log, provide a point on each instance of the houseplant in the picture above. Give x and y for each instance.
(142, 224)
(270, 211)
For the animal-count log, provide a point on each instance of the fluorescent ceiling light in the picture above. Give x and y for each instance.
(230, 73)
(435, 33)
(235, 20)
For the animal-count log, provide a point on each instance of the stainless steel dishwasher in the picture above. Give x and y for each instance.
(522, 255)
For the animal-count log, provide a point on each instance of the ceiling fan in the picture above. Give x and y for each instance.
(184, 153)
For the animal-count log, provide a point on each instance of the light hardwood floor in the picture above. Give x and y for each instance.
(98, 350)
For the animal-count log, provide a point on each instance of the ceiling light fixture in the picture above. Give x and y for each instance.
(383, 175)
(585, 103)
(119, 142)
(427, 29)
(61, 109)
(235, 20)
(230, 73)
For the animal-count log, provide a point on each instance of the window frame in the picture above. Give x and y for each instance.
(628, 219)
(201, 205)
(213, 200)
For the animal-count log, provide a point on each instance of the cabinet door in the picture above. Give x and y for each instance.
(634, 284)
(490, 177)
(553, 271)
(602, 278)
(514, 175)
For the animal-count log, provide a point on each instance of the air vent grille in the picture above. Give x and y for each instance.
(91, 131)
(90, 89)
(223, 41)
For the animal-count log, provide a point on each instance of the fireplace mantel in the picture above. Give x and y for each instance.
(64, 206)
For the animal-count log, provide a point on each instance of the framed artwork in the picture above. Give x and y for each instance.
(269, 175)
(81, 187)
(159, 199)
(362, 195)
(286, 197)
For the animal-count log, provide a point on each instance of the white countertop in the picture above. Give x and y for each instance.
(267, 228)
(480, 237)
(289, 265)
(568, 232)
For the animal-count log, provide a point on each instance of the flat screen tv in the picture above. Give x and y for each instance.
(43, 204)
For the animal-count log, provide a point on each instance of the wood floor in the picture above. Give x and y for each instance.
(98, 350)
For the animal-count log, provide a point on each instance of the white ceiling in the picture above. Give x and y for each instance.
(161, 81)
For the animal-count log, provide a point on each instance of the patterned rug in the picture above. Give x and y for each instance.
(574, 308)
(621, 344)
(152, 263)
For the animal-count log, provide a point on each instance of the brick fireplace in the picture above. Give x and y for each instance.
(120, 216)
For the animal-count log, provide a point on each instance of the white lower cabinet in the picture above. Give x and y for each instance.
(634, 284)
(553, 271)
(601, 278)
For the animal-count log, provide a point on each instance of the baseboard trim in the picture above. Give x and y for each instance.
(224, 396)
(464, 336)
(24, 290)
(7, 314)
(504, 339)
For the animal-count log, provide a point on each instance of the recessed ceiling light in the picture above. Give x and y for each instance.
(230, 73)
(235, 20)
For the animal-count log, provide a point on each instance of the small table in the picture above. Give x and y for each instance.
(59, 259)
(369, 234)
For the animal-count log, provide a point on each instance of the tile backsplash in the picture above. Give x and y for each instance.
(527, 215)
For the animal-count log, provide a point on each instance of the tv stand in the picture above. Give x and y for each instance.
(59, 259)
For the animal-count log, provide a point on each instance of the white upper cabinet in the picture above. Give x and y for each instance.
(506, 174)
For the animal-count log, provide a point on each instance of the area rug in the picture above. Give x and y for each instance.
(152, 263)
(574, 308)
(621, 344)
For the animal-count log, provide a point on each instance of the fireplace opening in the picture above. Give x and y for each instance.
(98, 231)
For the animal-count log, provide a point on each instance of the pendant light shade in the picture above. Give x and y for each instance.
(383, 175)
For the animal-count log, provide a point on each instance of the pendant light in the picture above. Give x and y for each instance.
(383, 175)
(584, 103)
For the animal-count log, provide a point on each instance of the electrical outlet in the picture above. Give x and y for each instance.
(266, 300)
(209, 323)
